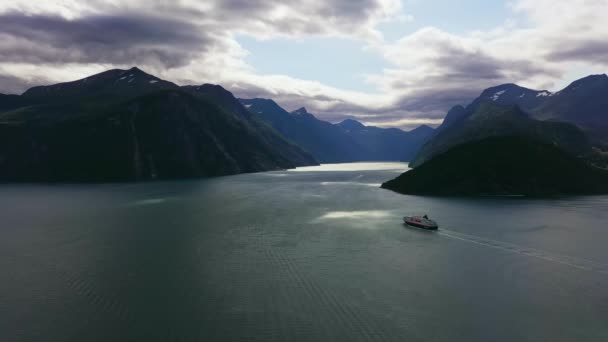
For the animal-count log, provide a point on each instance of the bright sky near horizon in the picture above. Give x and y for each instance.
(383, 62)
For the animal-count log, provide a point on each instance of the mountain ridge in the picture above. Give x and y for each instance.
(347, 141)
(489, 119)
(92, 131)
(583, 103)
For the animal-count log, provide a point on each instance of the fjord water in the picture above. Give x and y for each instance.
(313, 254)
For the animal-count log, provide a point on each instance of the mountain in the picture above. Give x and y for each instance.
(454, 115)
(512, 94)
(115, 83)
(505, 165)
(220, 96)
(385, 143)
(126, 125)
(326, 142)
(352, 125)
(348, 141)
(422, 133)
(584, 103)
(487, 119)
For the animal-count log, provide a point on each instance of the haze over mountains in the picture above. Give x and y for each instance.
(347, 141)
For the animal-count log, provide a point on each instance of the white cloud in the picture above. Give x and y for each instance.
(541, 45)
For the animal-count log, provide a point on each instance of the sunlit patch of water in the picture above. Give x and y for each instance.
(364, 219)
(579, 263)
(359, 214)
(272, 174)
(375, 185)
(148, 201)
(314, 195)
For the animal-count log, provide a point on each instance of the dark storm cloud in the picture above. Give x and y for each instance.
(347, 9)
(458, 66)
(231, 13)
(305, 17)
(117, 39)
(244, 6)
(436, 102)
(586, 51)
(353, 9)
(457, 76)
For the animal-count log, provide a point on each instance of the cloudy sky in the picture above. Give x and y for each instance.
(384, 62)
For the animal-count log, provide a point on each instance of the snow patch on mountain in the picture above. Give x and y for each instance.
(543, 93)
(497, 95)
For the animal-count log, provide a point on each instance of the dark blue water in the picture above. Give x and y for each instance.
(307, 255)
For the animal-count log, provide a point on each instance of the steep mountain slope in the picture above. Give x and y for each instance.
(221, 97)
(487, 119)
(504, 165)
(146, 132)
(322, 139)
(347, 141)
(231, 105)
(512, 94)
(584, 103)
(454, 115)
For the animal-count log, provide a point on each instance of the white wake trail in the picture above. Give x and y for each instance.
(578, 263)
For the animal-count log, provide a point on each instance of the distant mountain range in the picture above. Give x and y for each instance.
(573, 119)
(126, 125)
(347, 141)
